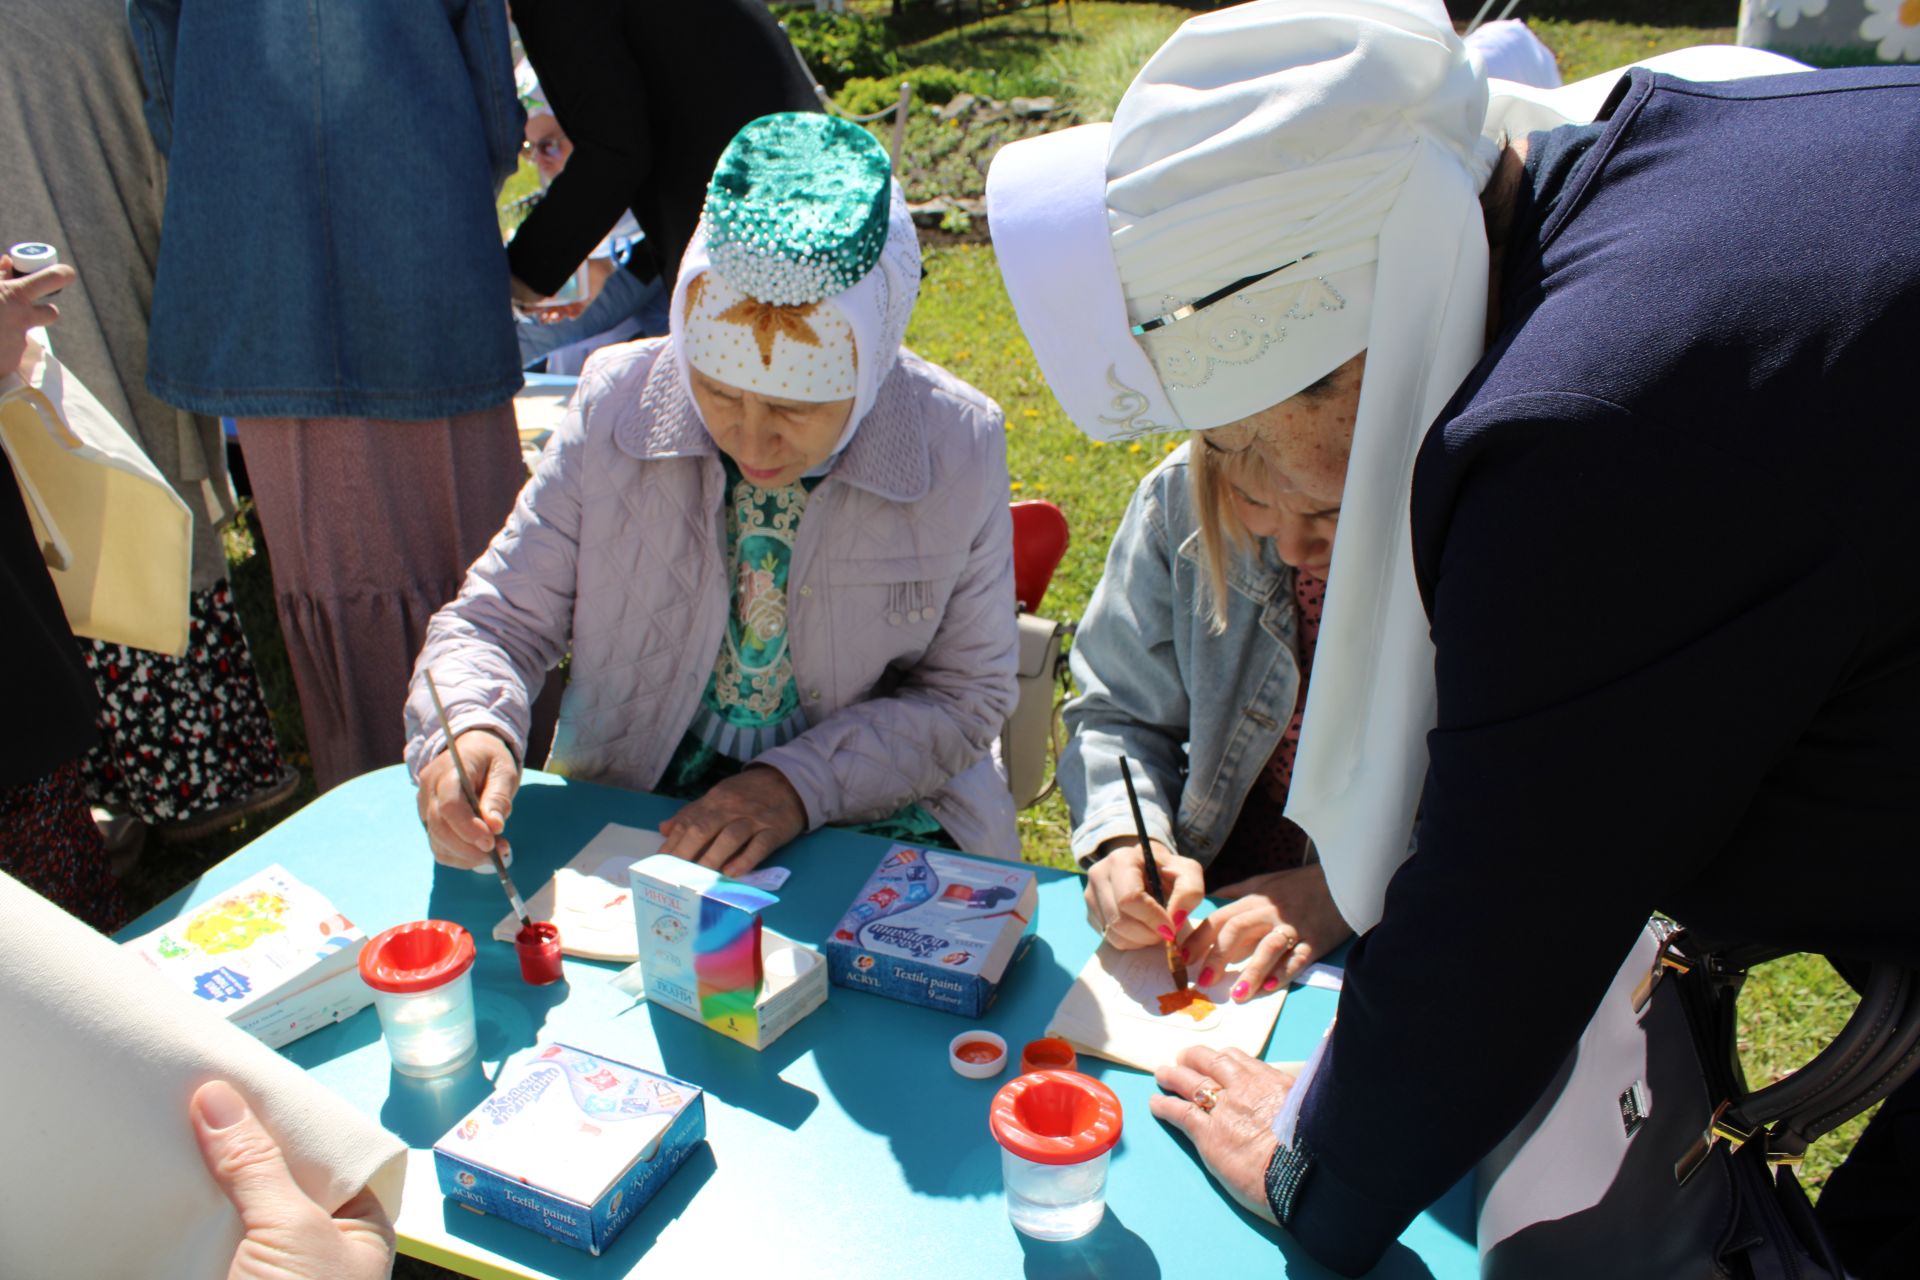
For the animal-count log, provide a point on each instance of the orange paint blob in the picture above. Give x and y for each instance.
(977, 1051)
(1187, 1000)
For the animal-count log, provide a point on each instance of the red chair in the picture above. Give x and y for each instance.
(1039, 542)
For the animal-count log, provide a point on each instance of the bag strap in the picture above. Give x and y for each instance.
(1874, 1053)
(1056, 719)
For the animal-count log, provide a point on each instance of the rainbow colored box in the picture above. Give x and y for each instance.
(936, 929)
(705, 955)
(570, 1144)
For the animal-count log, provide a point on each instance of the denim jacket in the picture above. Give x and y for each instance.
(1197, 713)
(330, 246)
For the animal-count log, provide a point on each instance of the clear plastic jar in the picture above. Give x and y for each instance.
(422, 980)
(1056, 1130)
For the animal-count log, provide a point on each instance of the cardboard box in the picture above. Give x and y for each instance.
(705, 955)
(936, 929)
(571, 1145)
(272, 955)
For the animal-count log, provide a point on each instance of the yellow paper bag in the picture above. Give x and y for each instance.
(117, 539)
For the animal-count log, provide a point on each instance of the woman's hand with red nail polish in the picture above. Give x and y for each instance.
(1275, 926)
(1119, 906)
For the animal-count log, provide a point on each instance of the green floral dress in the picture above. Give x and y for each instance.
(751, 703)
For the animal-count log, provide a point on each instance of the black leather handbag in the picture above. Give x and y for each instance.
(1650, 1157)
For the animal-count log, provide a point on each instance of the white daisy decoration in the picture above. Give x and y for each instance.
(1787, 12)
(1896, 25)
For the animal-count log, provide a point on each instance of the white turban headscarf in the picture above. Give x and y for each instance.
(1336, 144)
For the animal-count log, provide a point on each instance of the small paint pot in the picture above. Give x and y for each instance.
(977, 1055)
(1049, 1054)
(538, 946)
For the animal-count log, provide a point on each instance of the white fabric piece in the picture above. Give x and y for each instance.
(1214, 365)
(803, 352)
(1286, 1121)
(1275, 133)
(1509, 50)
(1518, 109)
(104, 1177)
(1047, 205)
(1350, 130)
(877, 309)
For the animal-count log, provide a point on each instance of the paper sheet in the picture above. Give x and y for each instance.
(589, 901)
(1112, 1011)
(102, 1176)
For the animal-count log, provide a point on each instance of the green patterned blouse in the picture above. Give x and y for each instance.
(751, 703)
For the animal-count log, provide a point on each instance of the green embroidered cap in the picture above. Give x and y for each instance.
(797, 209)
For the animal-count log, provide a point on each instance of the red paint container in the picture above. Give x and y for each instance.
(1049, 1054)
(538, 946)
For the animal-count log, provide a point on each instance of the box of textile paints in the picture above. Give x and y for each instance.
(570, 1145)
(705, 954)
(936, 929)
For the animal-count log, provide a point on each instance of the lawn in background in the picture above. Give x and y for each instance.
(964, 321)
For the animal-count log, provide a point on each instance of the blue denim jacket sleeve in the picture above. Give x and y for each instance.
(156, 28)
(1133, 697)
(482, 31)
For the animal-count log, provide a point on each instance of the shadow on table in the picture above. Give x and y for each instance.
(537, 1253)
(934, 1121)
(420, 1111)
(1109, 1250)
(691, 1051)
(337, 1041)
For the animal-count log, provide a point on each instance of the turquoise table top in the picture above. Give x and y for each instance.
(848, 1148)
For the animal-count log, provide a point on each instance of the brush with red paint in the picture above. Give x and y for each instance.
(538, 942)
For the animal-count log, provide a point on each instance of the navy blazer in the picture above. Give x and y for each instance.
(1667, 539)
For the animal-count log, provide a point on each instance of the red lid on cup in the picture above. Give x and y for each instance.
(1055, 1117)
(416, 957)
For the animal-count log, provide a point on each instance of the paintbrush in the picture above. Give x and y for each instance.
(1155, 885)
(473, 802)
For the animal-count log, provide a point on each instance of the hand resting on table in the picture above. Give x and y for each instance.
(740, 823)
(1234, 1137)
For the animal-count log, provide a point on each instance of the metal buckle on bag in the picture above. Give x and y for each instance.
(1717, 1130)
(1665, 960)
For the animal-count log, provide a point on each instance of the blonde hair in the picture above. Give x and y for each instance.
(1217, 460)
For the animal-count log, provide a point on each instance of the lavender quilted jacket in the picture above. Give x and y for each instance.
(900, 613)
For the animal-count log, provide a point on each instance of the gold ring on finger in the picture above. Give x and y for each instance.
(1206, 1097)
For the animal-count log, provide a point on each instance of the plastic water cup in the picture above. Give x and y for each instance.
(422, 980)
(1056, 1131)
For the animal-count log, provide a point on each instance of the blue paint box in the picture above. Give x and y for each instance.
(935, 929)
(570, 1145)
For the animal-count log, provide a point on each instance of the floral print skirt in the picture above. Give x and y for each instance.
(48, 843)
(181, 737)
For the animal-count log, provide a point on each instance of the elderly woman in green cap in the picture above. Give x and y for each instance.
(776, 544)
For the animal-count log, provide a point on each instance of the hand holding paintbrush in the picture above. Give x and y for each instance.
(495, 846)
(459, 835)
(1155, 885)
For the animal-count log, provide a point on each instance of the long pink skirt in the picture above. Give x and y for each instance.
(371, 526)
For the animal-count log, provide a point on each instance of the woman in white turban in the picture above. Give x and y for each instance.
(1599, 607)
